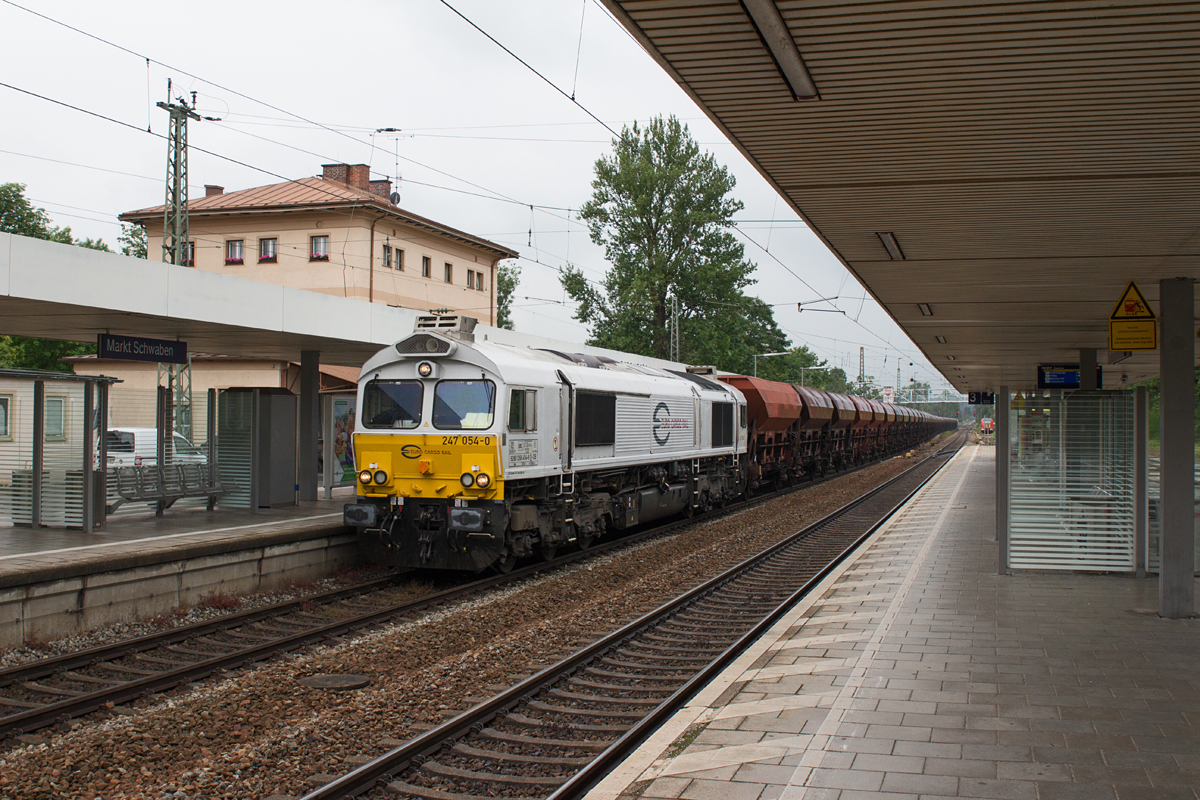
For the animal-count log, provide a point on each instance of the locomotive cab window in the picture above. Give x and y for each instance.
(464, 405)
(522, 410)
(392, 404)
(595, 419)
(742, 415)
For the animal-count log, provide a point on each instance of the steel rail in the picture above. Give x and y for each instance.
(386, 767)
(124, 692)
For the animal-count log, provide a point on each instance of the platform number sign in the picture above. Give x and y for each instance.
(981, 398)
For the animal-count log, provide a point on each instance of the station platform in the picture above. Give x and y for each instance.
(56, 582)
(915, 671)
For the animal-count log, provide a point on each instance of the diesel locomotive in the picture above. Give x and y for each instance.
(475, 454)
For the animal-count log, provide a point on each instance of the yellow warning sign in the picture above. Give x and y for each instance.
(1132, 324)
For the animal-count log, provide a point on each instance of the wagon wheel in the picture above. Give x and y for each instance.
(546, 551)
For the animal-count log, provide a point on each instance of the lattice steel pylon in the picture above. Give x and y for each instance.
(175, 212)
(176, 248)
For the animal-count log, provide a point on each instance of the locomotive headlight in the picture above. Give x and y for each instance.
(364, 476)
(380, 476)
(424, 369)
(482, 480)
(467, 480)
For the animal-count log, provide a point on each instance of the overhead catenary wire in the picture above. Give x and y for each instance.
(527, 66)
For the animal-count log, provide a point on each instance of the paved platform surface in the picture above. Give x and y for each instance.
(917, 672)
(137, 539)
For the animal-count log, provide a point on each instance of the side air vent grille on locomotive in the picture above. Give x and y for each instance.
(422, 344)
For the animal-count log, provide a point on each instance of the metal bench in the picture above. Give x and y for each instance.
(163, 486)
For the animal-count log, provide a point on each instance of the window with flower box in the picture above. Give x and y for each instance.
(268, 251)
(318, 248)
(188, 256)
(234, 252)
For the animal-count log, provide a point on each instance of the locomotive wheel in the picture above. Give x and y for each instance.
(505, 563)
(546, 551)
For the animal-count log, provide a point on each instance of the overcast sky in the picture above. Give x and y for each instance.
(484, 138)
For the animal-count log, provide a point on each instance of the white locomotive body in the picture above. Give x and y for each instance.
(474, 454)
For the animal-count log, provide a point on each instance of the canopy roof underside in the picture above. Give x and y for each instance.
(1030, 158)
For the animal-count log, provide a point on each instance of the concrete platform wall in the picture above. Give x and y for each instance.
(51, 609)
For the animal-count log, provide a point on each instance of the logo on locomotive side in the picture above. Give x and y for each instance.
(664, 423)
(410, 451)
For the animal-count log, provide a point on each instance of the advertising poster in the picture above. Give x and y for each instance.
(343, 439)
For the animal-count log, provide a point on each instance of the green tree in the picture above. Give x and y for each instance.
(661, 208)
(133, 241)
(507, 278)
(19, 216)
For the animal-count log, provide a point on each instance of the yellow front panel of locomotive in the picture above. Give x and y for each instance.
(429, 465)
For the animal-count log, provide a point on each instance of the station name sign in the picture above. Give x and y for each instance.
(139, 348)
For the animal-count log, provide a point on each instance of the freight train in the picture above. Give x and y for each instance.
(473, 454)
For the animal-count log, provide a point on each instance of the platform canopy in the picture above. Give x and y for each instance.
(995, 174)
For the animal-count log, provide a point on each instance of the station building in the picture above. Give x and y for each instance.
(340, 234)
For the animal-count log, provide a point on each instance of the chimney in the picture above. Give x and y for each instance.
(359, 177)
(336, 172)
(382, 188)
(213, 191)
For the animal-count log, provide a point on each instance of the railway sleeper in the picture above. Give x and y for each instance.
(659, 642)
(435, 767)
(538, 741)
(124, 670)
(568, 711)
(649, 665)
(14, 703)
(500, 755)
(79, 677)
(678, 627)
(672, 680)
(624, 687)
(635, 653)
(524, 721)
(428, 793)
(166, 662)
(54, 691)
(598, 698)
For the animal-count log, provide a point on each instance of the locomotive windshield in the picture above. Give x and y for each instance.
(392, 404)
(464, 405)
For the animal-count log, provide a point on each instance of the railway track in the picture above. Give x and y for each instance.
(557, 732)
(55, 690)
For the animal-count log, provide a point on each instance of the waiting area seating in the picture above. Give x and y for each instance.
(165, 485)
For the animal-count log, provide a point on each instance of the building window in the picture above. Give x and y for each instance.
(318, 248)
(426, 266)
(233, 252)
(399, 259)
(479, 281)
(56, 419)
(449, 272)
(268, 251)
(6, 417)
(470, 279)
(387, 256)
(188, 257)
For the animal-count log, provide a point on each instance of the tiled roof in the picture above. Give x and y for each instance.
(309, 193)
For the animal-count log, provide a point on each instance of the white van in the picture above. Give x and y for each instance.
(136, 447)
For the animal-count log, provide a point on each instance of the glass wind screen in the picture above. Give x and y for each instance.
(1071, 481)
(392, 404)
(464, 405)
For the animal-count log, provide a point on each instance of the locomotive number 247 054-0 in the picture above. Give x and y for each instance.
(485, 441)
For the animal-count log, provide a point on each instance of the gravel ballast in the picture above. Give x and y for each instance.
(262, 733)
